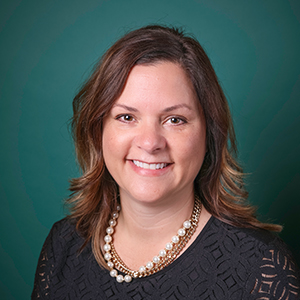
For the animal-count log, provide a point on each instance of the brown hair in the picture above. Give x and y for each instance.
(219, 183)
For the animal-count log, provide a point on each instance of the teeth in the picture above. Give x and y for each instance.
(149, 166)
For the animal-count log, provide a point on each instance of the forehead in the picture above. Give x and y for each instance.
(162, 83)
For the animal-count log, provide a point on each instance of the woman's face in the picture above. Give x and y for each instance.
(154, 136)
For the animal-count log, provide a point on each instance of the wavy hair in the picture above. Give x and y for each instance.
(219, 183)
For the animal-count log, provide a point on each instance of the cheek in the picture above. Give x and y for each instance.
(108, 141)
(114, 145)
(195, 150)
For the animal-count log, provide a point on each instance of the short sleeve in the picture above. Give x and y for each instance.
(44, 270)
(277, 275)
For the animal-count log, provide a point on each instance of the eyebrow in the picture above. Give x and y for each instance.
(126, 107)
(167, 109)
(174, 107)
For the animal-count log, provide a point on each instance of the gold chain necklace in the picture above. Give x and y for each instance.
(164, 257)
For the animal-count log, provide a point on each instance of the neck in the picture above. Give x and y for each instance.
(150, 222)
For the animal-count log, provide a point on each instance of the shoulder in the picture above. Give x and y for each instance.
(65, 229)
(62, 243)
(271, 269)
(64, 226)
(240, 237)
(255, 243)
(239, 241)
(63, 237)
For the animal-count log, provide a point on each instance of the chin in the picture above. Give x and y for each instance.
(146, 196)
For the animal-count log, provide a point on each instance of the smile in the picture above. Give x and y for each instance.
(144, 165)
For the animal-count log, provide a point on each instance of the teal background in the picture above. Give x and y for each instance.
(48, 48)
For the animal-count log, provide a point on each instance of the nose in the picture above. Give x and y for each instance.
(150, 138)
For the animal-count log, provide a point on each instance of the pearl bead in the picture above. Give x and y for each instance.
(110, 264)
(106, 247)
(181, 232)
(112, 222)
(107, 256)
(187, 224)
(155, 259)
(120, 278)
(107, 238)
(113, 273)
(142, 269)
(149, 265)
(115, 215)
(169, 246)
(175, 239)
(162, 253)
(118, 207)
(127, 278)
(109, 230)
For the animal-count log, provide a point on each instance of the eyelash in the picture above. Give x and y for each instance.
(180, 119)
(122, 118)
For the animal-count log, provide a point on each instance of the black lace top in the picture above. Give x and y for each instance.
(224, 262)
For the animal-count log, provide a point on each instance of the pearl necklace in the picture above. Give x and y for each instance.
(165, 256)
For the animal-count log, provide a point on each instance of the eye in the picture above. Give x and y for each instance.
(176, 120)
(125, 118)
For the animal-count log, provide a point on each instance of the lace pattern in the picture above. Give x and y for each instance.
(278, 278)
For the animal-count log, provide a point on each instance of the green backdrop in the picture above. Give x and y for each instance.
(48, 48)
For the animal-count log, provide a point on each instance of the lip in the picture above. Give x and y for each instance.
(149, 169)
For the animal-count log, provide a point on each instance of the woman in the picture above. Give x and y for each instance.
(159, 211)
